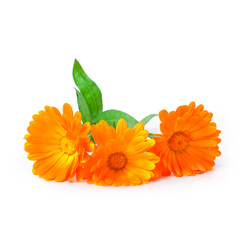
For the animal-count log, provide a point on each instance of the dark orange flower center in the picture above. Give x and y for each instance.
(178, 142)
(117, 161)
(68, 146)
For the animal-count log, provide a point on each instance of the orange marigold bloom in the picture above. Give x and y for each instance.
(189, 141)
(58, 143)
(121, 156)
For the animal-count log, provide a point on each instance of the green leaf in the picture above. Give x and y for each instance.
(89, 90)
(151, 135)
(91, 138)
(114, 124)
(112, 116)
(83, 108)
(148, 118)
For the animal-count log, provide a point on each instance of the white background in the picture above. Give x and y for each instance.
(145, 56)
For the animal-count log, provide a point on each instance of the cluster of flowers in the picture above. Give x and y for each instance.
(117, 155)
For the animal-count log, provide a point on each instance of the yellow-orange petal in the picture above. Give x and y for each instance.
(121, 126)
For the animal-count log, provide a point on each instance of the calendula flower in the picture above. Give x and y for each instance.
(189, 141)
(121, 156)
(58, 143)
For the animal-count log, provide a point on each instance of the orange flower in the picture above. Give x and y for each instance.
(58, 143)
(160, 170)
(122, 156)
(189, 141)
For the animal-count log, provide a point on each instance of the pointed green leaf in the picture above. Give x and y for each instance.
(148, 118)
(112, 116)
(83, 108)
(89, 90)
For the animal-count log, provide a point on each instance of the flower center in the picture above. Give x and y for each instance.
(117, 161)
(68, 146)
(178, 142)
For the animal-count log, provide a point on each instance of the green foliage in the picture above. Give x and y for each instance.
(89, 98)
(112, 117)
(151, 135)
(83, 108)
(148, 118)
(88, 95)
